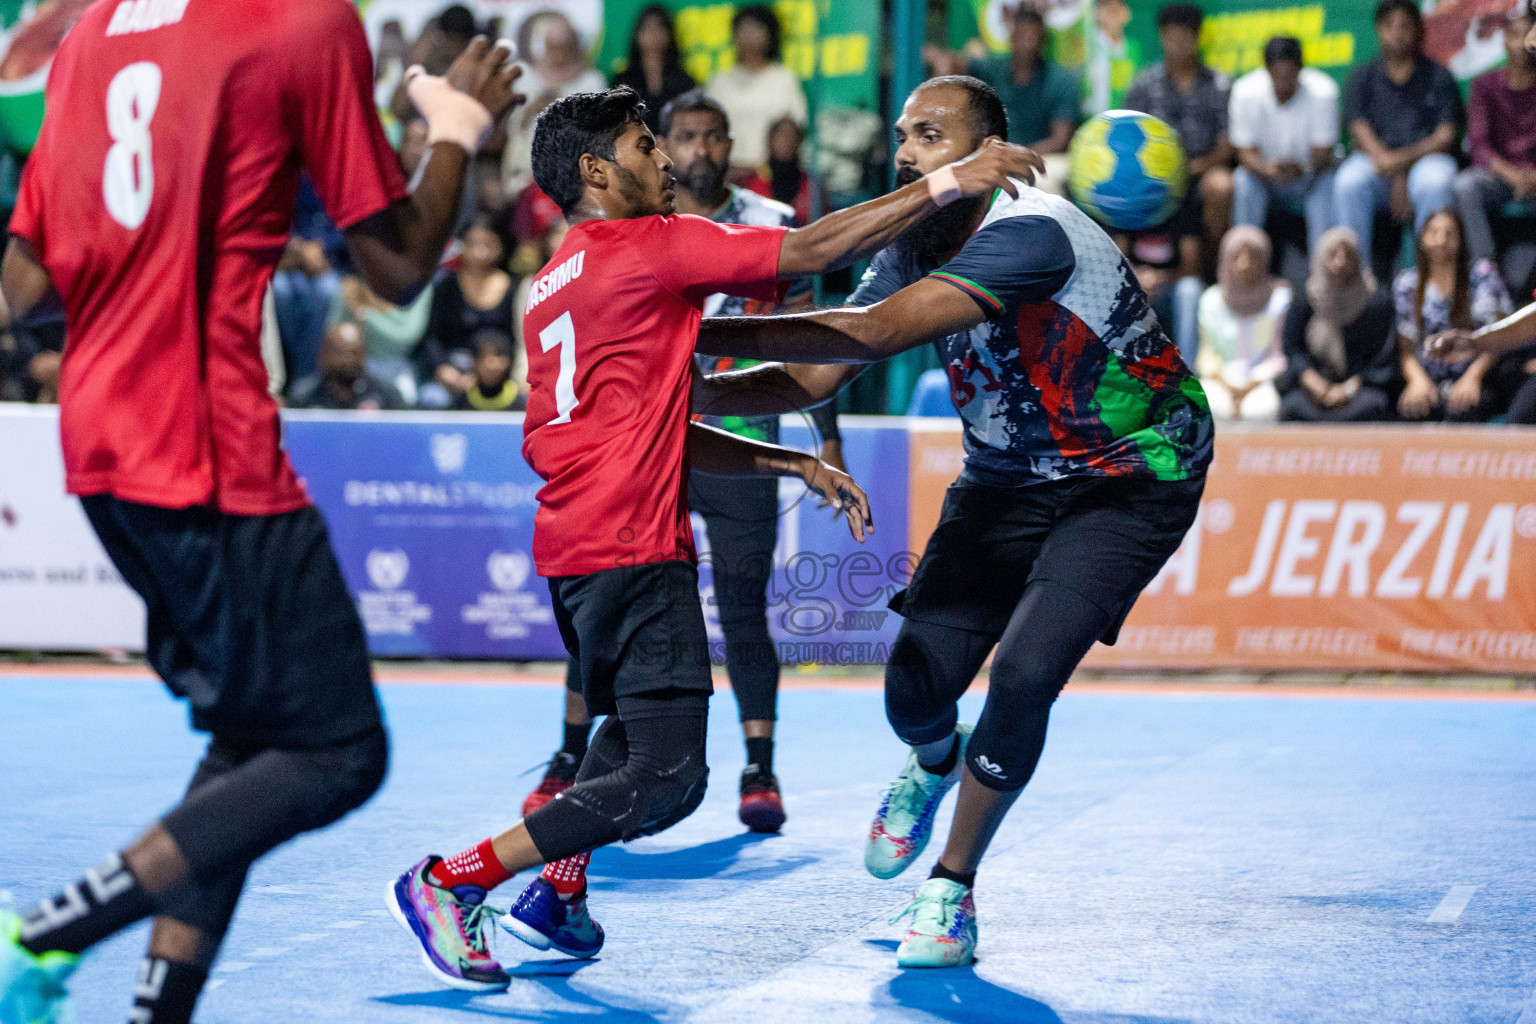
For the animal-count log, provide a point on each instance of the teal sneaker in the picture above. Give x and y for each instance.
(904, 822)
(449, 927)
(31, 987)
(943, 930)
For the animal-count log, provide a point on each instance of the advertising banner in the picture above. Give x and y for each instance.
(432, 519)
(58, 590)
(1362, 548)
(844, 38)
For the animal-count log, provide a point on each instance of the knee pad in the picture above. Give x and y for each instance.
(929, 669)
(634, 801)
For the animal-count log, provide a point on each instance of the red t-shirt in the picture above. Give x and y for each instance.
(159, 198)
(610, 328)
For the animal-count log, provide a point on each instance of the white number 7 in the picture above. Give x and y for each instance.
(563, 333)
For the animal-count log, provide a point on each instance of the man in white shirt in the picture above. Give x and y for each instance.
(1284, 123)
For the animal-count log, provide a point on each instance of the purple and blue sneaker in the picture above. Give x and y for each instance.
(543, 920)
(450, 926)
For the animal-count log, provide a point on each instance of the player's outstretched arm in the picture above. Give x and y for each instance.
(398, 250)
(721, 454)
(917, 314)
(1515, 331)
(839, 238)
(769, 389)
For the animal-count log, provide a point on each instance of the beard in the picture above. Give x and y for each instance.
(703, 180)
(634, 193)
(940, 232)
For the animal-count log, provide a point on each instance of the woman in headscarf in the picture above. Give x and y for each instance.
(1240, 321)
(1340, 340)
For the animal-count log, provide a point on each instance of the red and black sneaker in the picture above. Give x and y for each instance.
(557, 779)
(762, 809)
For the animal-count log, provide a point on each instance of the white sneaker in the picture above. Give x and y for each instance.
(943, 931)
(904, 822)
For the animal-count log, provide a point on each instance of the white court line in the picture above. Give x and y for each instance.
(215, 983)
(267, 952)
(234, 965)
(338, 925)
(1450, 909)
(309, 937)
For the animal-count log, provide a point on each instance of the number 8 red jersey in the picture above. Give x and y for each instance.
(159, 197)
(610, 327)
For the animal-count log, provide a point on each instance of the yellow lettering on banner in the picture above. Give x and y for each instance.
(1234, 43)
(844, 55)
(797, 17)
(800, 57)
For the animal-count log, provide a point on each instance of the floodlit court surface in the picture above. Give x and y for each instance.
(1224, 856)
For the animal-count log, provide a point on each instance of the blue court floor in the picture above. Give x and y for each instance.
(1211, 858)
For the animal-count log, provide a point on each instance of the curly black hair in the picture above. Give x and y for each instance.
(584, 122)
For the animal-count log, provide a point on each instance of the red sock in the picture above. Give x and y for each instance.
(475, 866)
(568, 876)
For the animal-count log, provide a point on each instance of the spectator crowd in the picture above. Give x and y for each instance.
(1397, 201)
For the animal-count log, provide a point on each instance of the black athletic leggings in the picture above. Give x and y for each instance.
(246, 799)
(644, 772)
(931, 666)
(741, 518)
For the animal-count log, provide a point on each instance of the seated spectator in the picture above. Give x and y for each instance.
(1501, 130)
(1168, 267)
(491, 387)
(343, 380)
(787, 179)
(655, 69)
(1442, 290)
(1339, 341)
(304, 287)
(1285, 125)
(1403, 112)
(554, 66)
(1241, 317)
(1193, 99)
(757, 91)
(479, 296)
(391, 334)
(1043, 99)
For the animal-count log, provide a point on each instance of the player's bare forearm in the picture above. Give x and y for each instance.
(398, 249)
(769, 389)
(839, 238)
(1513, 332)
(718, 453)
(24, 282)
(917, 314)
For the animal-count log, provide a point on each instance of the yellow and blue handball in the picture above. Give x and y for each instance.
(1128, 170)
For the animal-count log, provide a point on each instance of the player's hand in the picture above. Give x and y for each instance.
(832, 455)
(842, 494)
(486, 72)
(994, 165)
(1455, 346)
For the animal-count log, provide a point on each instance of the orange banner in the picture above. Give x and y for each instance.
(1365, 548)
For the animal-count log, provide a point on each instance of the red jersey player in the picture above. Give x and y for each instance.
(611, 323)
(156, 204)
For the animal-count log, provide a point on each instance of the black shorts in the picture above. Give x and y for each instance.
(249, 620)
(632, 631)
(1103, 537)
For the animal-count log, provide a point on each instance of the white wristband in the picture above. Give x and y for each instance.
(943, 186)
(451, 115)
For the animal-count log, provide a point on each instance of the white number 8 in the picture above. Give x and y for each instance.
(128, 180)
